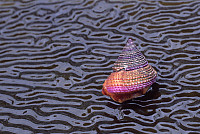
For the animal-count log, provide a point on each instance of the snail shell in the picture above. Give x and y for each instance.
(132, 75)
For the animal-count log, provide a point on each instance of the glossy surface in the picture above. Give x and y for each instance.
(55, 56)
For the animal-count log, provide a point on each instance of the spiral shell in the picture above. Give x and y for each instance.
(132, 75)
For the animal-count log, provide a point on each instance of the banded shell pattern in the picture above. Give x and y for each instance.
(132, 75)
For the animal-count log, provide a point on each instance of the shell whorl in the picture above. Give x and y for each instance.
(130, 81)
(130, 58)
(132, 75)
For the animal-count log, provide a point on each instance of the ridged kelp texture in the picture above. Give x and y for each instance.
(55, 56)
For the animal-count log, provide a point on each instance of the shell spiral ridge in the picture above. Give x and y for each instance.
(130, 58)
(132, 75)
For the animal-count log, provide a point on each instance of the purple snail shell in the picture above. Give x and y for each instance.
(132, 75)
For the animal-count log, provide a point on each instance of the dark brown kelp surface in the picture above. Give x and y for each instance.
(55, 56)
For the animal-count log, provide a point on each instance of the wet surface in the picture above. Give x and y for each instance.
(55, 56)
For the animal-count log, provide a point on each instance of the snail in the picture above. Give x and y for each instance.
(132, 75)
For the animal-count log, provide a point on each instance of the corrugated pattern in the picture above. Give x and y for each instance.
(55, 56)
